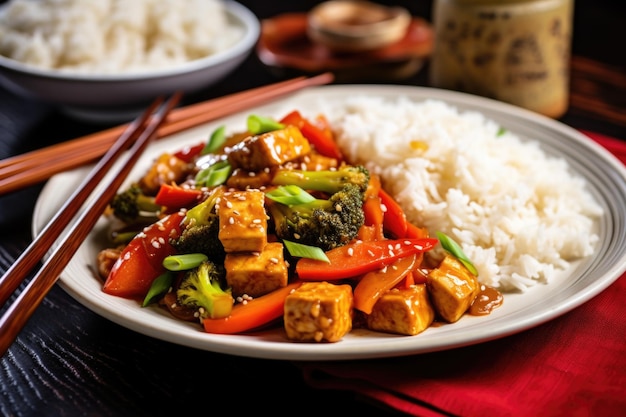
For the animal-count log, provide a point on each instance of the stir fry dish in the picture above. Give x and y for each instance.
(271, 226)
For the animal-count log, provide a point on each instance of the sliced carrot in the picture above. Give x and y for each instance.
(374, 284)
(253, 314)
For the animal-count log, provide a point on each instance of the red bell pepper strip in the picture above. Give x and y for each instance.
(394, 220)
(374, 284)
(141, 260)
(173, 196)
(252, 315)
(358, 258)
(321, 138)
(188, 153)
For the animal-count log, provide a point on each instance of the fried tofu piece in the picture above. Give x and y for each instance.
(243, 221)
(256, 273)
(313, 162)
(452, 288)
(242, 180)
(270, 149)
(319, 311)
(406, 311)
(166, 169)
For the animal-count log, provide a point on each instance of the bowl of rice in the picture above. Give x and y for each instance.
(106, 60)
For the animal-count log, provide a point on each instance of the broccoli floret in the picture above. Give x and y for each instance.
(201, 289)
(201, 230)
(133, 206)
(326, 224)
(328, 181)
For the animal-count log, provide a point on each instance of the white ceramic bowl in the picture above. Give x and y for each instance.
(118, 97)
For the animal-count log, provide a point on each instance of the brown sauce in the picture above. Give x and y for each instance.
(486, 301)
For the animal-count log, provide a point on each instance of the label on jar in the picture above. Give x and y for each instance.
(514, 52)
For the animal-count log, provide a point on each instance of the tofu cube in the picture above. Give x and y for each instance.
(318, 311)
(270, 149)
(452, 289)
(243, 221)
(256, 273)
(406, 311)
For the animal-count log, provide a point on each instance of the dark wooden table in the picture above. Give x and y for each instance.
(68, 361)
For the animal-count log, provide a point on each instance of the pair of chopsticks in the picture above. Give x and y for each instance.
(33, 167)
(139, 133)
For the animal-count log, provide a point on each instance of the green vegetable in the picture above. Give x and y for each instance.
(200, 233)
(324, 223)
(216, 140)
(260, 124)
(159, 286)
(290, 195)
(455, 250)
(201, 289)
(133, 206)
(184, 261)
(299, 250)
(214, 175)
(329, 181)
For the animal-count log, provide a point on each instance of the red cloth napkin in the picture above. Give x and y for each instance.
(572, 366)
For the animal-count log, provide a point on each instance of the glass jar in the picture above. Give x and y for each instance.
(515, 51)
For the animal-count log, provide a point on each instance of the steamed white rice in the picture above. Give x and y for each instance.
(113, 36)
(519, 214)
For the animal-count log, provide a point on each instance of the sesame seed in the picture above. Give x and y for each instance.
(229, 204)
(350, 251)
(274, 260)
(231, 220)
(383, 208)
(418, 247)
(256, 221)
(236, 212)
(370, 252)
(391, 253)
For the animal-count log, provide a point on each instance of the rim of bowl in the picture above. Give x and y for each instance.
(236, 11)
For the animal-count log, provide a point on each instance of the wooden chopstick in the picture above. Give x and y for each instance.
(27, 169)
(18, 313)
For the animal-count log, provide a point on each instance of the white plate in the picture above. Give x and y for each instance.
(607, 181)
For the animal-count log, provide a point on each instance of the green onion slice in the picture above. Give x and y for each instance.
(183, 262)
(214, 175)
(290, 195)
(299, 250)
(216, 140)
(260, 124)
(455, 250)
(159, 286)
